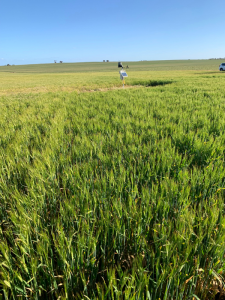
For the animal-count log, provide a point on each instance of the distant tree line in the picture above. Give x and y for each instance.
(217, 58)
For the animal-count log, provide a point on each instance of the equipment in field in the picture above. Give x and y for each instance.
(123, 73)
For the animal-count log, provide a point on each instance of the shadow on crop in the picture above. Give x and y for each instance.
(198, 155)
(148, 83)
(207, 73)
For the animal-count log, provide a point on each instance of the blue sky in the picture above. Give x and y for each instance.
(76, 31)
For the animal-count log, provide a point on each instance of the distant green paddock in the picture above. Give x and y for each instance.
(162, 65)
(83, 77)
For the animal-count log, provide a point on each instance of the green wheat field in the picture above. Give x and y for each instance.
(112, 193)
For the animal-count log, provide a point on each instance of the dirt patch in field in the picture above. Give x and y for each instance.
(111, 88)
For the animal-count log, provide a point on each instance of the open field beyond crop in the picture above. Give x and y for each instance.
(111, 193)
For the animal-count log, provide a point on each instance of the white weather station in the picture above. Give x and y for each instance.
(123, 73)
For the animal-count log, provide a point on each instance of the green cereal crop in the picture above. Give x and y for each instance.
(110, 193)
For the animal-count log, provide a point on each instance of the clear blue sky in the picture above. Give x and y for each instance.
(75, 31)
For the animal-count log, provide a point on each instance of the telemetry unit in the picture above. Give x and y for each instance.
(123, 73)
